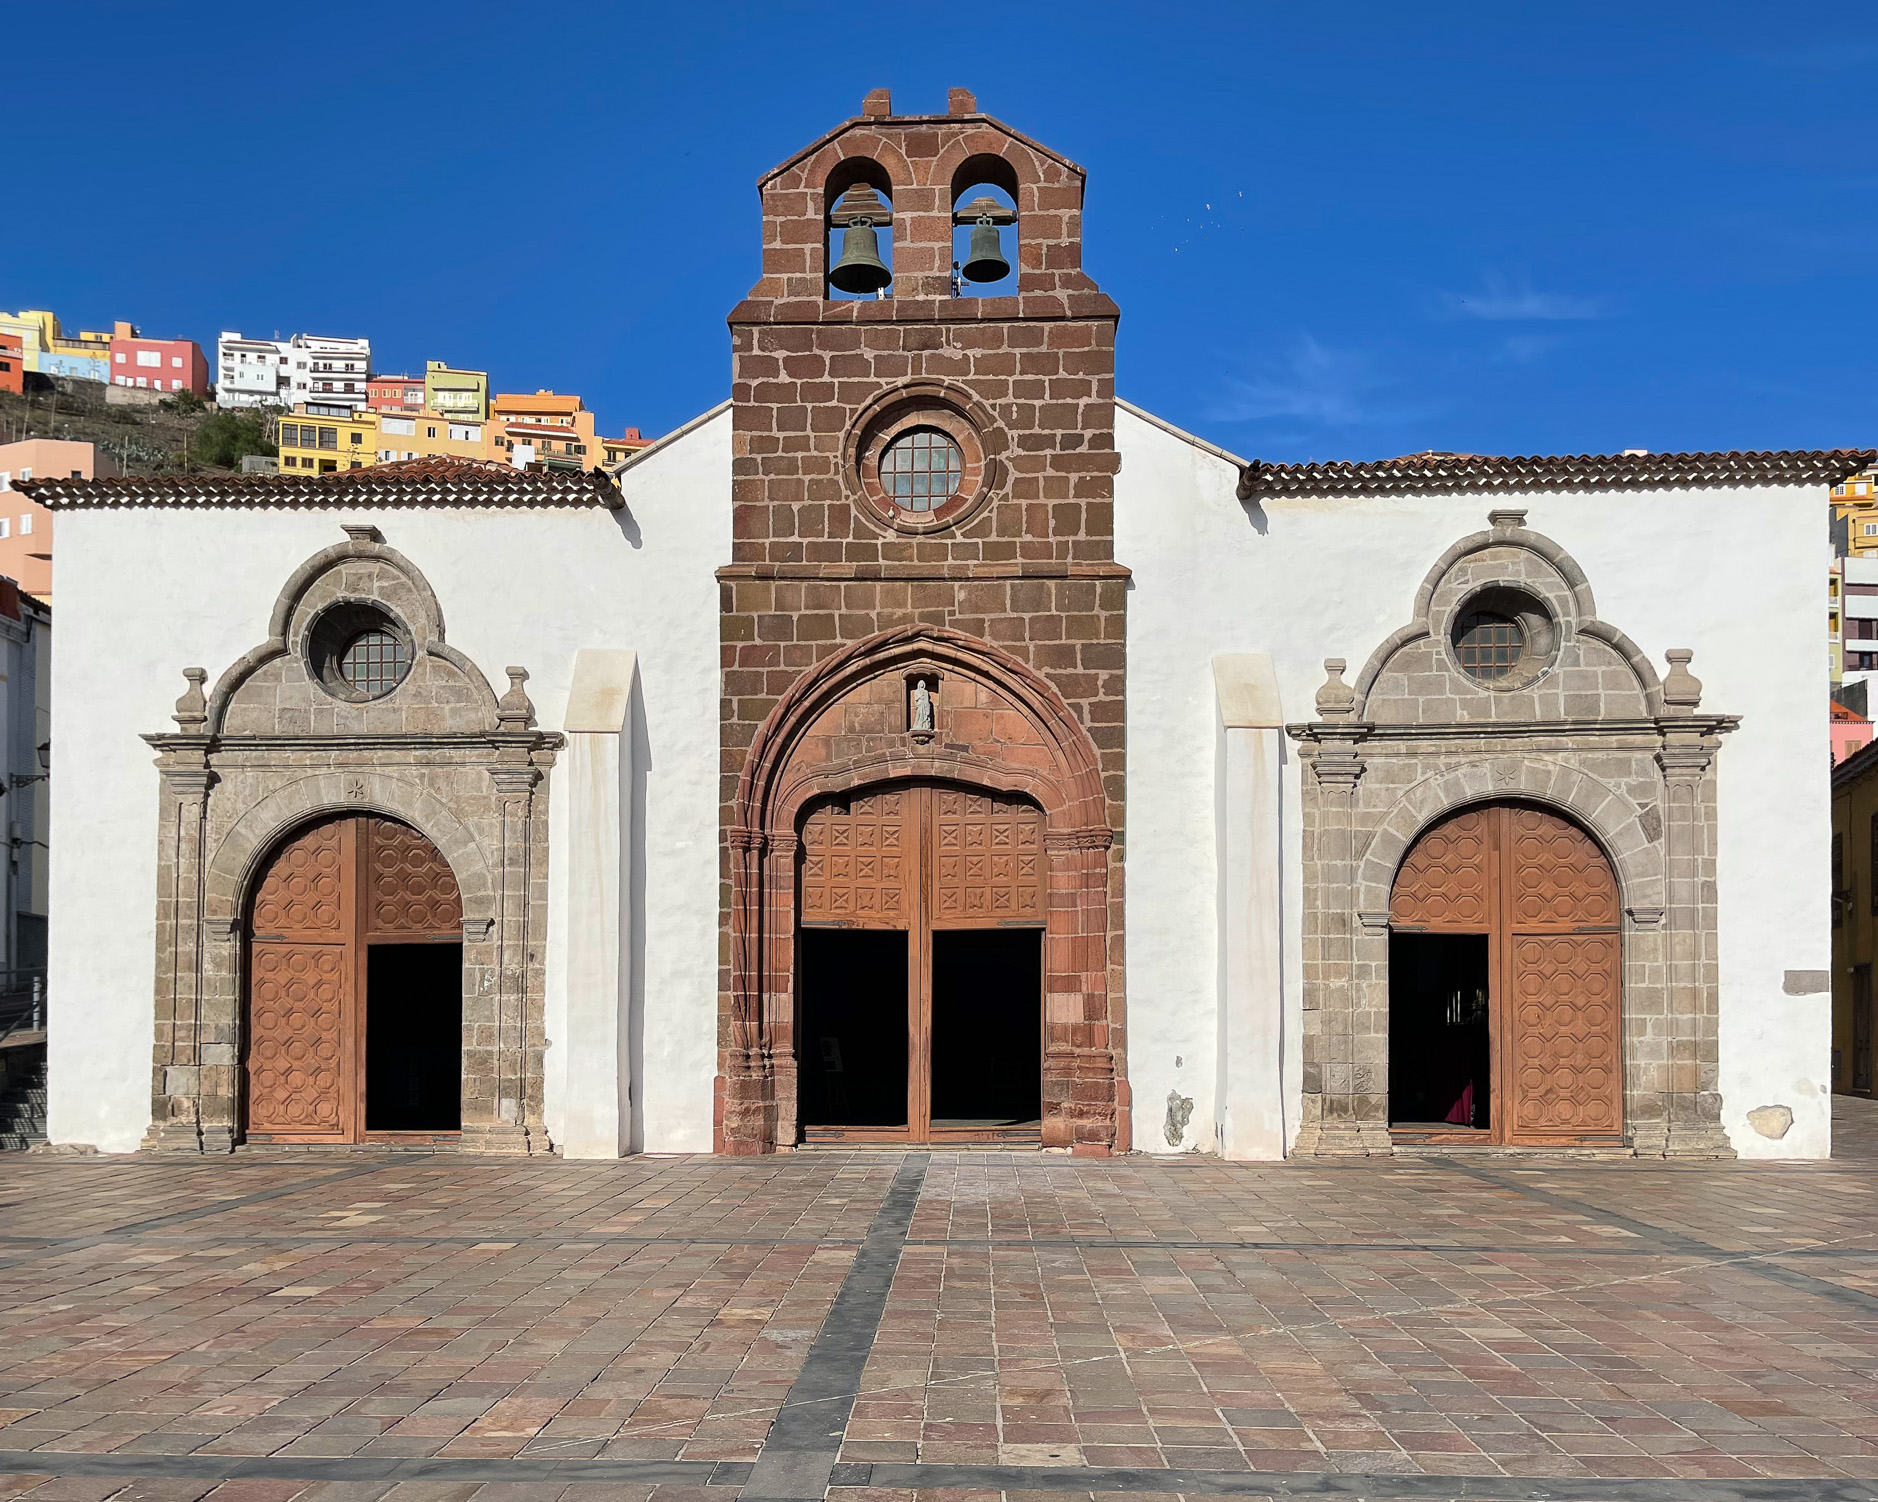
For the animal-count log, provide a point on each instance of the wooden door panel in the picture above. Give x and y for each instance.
(988, 859)
(1559, 877)
(1445, 882)
(857, 858)
(411, 891)
(1566, 1068)
(306, 888)
(325, 893)
(298, 1061)
(1543, 892)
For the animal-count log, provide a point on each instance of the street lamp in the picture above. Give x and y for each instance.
(21, 779)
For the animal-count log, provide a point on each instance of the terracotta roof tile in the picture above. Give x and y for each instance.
(434, 480)
(1441, 473)
(1840, 712)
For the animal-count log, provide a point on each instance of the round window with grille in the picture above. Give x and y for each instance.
(1503, 637)
(358, 650)
(921, 469)
(374, 662)
(1490, 645)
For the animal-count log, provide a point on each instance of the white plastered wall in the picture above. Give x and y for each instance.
(1730, 573)
(147, 592)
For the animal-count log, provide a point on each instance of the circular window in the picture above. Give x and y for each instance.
(921, 470)
(1503, 637)
(923, 458)
(1489, 644)
(374, 662)
(357, 651)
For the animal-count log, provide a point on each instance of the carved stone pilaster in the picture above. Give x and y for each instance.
(1345, 1100)
(1691, 1124)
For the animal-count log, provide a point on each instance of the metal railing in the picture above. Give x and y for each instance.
(22, 1001)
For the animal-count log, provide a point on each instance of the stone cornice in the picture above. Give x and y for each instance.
(1088, 306)
(964, 572)
(1375, 736)
(480, 742)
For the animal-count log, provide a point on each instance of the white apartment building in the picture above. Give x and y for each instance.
(252, 372)
(329, 370)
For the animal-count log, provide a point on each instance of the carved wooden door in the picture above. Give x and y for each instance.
(1542, 891)
(330, 891)
(303, 1000)
(917, 857)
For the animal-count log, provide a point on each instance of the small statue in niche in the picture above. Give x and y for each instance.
(922, 718)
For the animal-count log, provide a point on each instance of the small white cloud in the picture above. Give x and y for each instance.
(1314, 384)
(1501, 301)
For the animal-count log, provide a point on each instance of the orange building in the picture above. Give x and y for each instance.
(12, 363)
(557, 431)
(25, 525)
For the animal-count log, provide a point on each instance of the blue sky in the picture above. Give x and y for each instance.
(1335, 230)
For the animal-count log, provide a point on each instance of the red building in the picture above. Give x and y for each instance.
(157, 364)
(12, 364)
(1851, 732)
(399, 393)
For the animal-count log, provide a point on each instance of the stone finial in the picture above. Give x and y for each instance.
(513, 709)
(961, 102)
(1681, 688)
(1336, 697)
(1506, 521)
(192, 710)
(877, 105)
(362, 532)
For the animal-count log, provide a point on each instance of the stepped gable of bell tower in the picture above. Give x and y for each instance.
(922, 442)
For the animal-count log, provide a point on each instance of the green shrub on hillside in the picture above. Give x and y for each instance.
(226, 438)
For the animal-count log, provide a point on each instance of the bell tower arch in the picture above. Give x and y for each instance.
(906, 458)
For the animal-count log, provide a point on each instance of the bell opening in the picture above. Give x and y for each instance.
(984, 231)
(860, 240)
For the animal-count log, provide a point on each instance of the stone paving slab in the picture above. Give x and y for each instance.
(303, 1327)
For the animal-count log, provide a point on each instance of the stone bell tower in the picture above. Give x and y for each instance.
(924, 471)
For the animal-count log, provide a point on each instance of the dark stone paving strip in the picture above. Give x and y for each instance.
(1754, 1263)
(804, 1443)
(1341, 1484)
(372, 1468)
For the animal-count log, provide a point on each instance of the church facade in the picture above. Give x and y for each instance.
(927, 746)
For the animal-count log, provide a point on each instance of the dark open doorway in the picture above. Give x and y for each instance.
(854, 1034)
(987, 1027)
(413, 1037)
(1440, 1051)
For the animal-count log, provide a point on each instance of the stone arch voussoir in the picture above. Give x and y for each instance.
(1612, 819)
(239, 856)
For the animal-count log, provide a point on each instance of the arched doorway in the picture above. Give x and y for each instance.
(1505, 983)
(354, 987)
(920, 965)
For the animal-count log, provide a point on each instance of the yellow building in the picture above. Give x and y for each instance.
(321, 440)
(459, 394)
(1855, 503)
(50, 350)
(1854, 918)
(417, 435)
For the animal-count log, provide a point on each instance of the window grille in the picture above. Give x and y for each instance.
(921, 469)
(1490, 645)
(375, 662)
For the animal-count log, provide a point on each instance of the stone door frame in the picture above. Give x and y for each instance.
(441, 753)
(1084, 1092)
(1372, 785)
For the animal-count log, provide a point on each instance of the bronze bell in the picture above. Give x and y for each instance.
(986, 263)
(860, 269)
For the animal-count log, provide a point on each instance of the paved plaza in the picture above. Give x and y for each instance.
(433, 1327)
